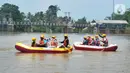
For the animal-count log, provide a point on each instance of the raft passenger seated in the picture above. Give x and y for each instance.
(54, 42)
(33, 44)
(93, 41)
(65, 41)
(85, 41)
(42, 42)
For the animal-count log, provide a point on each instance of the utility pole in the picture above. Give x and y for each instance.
(113, 9)
(67, 15)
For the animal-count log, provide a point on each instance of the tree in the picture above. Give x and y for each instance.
(81, 21)
(127, 16)
(117, 16)
(108, 18)
(39, 16)
(23, 16)
(30, 16)
(93, 21)
(51, 13)
(10, 10)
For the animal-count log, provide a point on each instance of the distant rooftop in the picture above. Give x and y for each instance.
(112, 21)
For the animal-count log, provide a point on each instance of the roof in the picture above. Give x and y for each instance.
(112, 21)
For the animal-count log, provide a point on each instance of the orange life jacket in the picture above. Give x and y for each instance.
(65, 42)
(41, 42)
(54, 43)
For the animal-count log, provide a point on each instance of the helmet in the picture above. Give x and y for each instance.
(65, 34)
(53, 36)
(96, 36)
(88, 35)
(104, 35)
(85, 37)
(42, 36)
(33, 39)
(92, 37)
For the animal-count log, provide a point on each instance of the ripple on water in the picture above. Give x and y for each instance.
(12, 61)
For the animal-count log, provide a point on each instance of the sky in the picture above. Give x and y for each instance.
(91, 9)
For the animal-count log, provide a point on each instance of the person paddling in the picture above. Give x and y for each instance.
(65, 41)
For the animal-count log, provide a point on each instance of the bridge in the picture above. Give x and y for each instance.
(40, 27)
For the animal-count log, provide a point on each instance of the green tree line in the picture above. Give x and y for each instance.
(49, 16)
(125, 16)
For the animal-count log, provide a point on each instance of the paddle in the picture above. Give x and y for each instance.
(69, 49)
(66, 48)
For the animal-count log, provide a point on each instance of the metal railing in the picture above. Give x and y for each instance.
(38, 27)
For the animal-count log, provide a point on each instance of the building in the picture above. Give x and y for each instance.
(111, 26)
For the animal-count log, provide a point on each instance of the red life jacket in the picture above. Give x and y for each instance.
(89, 41)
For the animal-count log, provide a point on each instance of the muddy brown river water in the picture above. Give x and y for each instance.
(12, 61)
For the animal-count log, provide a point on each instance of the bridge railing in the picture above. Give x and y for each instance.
(38, 26)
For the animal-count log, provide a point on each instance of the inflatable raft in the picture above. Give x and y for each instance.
(28, 49)
(79, 46)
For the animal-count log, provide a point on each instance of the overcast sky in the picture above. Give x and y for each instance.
(91, 9)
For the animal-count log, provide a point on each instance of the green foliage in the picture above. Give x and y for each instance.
(125, 16)
(93, 21)
(90, 29)
(49, 16)
(39, 29)
(81, 21)
(10, 10)
(51, 13)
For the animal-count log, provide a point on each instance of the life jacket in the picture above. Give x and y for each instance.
(89, 41)
(65, 43)
(85, 42)
(97, 42)
(105, 41)
(41, 42)
(54, 42)
(93, 42)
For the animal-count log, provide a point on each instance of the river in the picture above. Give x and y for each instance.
(12, 61)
